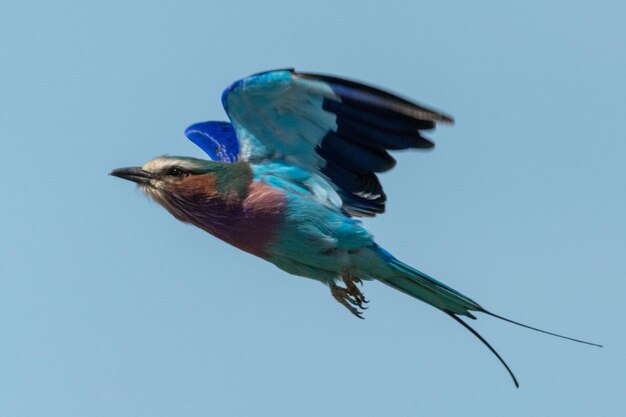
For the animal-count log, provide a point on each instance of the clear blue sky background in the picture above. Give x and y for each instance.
(110, 307)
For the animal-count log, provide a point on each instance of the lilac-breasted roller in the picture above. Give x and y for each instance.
(289, 174)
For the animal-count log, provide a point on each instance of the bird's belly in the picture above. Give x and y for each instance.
(316, 240)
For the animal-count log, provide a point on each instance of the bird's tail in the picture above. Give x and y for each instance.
(417, 284)
(423, 287)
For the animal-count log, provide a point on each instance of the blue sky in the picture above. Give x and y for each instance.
(110, 307)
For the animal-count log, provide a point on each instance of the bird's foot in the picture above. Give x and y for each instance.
(350, 297)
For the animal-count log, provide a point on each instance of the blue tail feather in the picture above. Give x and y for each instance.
(423, 287)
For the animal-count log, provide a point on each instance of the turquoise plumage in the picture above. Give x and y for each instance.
(290, 173)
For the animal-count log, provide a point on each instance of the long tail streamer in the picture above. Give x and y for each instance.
(482, 339)
(539, 330)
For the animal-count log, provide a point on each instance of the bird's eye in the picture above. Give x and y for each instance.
(177, 172)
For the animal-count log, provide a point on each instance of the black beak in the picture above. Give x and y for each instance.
(134, 174)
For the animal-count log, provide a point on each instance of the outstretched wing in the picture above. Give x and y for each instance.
(338, 128)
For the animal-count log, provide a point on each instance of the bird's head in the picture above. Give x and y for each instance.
(178, 182)
(165, 176)
(166, 172)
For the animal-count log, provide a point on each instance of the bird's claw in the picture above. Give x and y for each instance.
(350, 297)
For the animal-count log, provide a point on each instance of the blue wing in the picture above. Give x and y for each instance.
(217, 139)
(334, 127)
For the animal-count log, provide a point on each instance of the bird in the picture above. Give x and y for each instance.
(290, 174)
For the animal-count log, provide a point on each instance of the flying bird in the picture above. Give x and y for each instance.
(289, 174)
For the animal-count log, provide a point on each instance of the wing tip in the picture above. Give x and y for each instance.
(397, 102)
(444, 118)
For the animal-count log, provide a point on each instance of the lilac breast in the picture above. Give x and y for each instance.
(249, 224)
